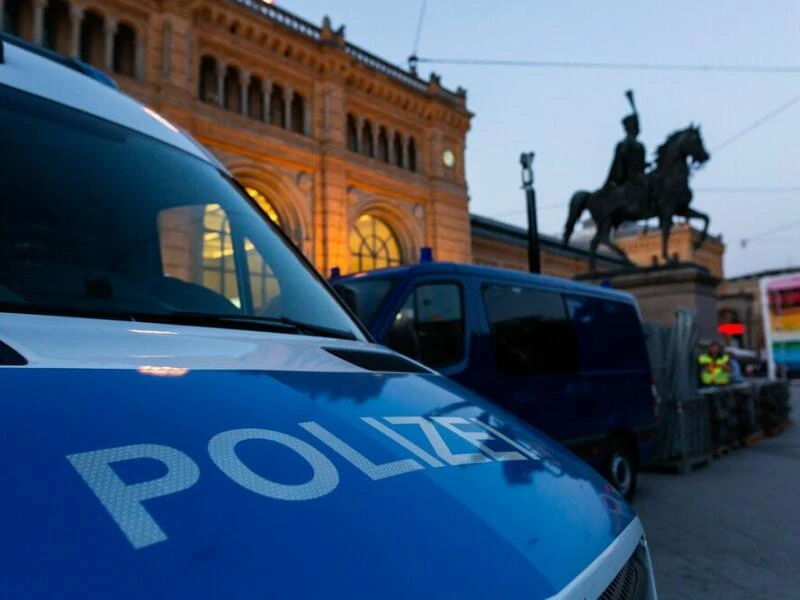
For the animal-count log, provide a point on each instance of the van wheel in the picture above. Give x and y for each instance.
(621, 468)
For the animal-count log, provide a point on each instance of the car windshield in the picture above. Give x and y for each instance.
(99, 220)
(364, 296)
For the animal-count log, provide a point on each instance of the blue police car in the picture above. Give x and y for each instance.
(188, 411)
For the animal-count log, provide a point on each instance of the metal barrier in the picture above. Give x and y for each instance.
(696, 423)
(723, 418)
(684, 435)
(773, 407)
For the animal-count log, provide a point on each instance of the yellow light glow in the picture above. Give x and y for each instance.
(264, 204)
(373, 245)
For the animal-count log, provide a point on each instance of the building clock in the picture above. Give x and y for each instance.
(449, 159)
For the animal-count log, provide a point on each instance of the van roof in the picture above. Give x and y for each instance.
(495, 273)
(67, 81)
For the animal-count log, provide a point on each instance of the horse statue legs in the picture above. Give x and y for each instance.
(577, 204)
(598, 207)
(690, 213)
(666, 225)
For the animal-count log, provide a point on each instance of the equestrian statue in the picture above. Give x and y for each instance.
(635, 190)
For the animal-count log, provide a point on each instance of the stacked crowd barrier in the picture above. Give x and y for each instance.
(697, 424)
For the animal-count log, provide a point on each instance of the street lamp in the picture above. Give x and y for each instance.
(534, 261)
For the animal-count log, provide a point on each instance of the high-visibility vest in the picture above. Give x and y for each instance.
(713, 371)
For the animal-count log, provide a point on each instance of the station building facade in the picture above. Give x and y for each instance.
(360, 162)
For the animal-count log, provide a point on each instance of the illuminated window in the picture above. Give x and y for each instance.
(373, 245)
(265, 205)
(219, 271)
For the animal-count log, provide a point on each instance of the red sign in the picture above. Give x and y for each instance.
(731, 329)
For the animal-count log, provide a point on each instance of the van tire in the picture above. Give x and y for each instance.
(622, 469)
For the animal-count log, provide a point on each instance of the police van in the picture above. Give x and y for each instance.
(188, 411)
(569, 358)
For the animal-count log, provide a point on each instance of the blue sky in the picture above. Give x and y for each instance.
(571, 118)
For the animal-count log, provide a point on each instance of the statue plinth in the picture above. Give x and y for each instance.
(661, 290)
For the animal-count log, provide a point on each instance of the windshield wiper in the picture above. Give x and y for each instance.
(273, 324)
(312, 329)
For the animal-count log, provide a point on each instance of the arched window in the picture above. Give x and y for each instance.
(264, 204)
(412, 154)
(352, 133)
(298, 113)
(57, 28)
(233, 90)
(255, 99)
(383, 145)
(93, 39)
(208, 79)
(277, 109)
(125, 51)
(373, 245)
(367, 143)
(398, 150)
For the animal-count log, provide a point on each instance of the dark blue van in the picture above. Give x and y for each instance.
(569, 358)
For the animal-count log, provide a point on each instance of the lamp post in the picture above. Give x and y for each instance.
(534, 261)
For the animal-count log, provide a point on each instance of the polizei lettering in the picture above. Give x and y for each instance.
(124, 501)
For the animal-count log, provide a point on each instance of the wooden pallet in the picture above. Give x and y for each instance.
(779, 429)
(753, 438)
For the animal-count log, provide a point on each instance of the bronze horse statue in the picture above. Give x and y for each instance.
(666, 194)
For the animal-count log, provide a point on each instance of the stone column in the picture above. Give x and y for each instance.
(76, 20)
(166, 52)
(288, 94)
(307, 117)
(38, 20)
(405, 139)
(140, 57)
(110, 26)
(359, 127)
(244, 97)
(390, 134)
(221, 70)
(267, 97)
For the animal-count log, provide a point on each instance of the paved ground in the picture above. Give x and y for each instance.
(730, 530)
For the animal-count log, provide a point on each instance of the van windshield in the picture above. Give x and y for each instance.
(365, 296)
(98, 220)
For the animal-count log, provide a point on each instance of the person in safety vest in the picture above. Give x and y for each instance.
(715, 366)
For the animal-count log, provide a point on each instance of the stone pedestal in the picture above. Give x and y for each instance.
(660, 291)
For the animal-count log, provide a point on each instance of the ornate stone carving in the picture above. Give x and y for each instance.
(303, 181)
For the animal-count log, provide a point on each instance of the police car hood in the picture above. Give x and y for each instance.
(198, 463)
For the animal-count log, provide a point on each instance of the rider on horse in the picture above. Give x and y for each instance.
(629, 162)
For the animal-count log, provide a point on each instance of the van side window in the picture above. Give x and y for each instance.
(533, 334)
(430, 325)
(605, 325)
